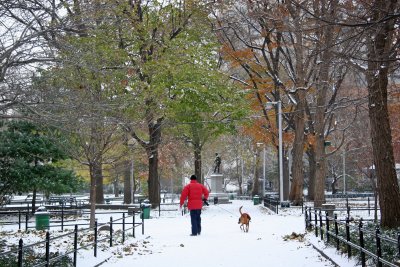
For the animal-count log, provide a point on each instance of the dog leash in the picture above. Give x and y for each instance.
(225, 210)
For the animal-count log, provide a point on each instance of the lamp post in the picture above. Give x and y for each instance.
(279, 104)
(131, 145)
(344, 171)
(264, 152)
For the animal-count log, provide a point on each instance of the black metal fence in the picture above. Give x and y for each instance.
(21, 254)
(59, 217)
(353, 237)
(272, 203)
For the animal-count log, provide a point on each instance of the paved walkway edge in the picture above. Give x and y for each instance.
(323, 254)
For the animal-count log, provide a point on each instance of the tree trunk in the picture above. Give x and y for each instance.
(323, 84)
(286, 182)
(92, 196)
(320, 170)
(311, 174)
(34, 193)
(153, 181)
(152, 153)
(296, 191)
(239, 175)
(197, 162)
(127, 183)
(333, 185)
(379, 44)
(116, 187)
(98, 173)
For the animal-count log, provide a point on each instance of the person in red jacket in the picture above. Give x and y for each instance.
(196, 194)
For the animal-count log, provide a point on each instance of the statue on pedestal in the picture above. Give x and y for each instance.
(217, 163)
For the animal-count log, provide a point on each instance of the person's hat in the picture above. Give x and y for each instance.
(193, 177)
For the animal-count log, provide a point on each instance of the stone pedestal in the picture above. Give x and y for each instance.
(217, 195)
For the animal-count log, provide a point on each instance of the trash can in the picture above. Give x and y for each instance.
(215, 200)
(256, 200)
(145, 206)
(42, 219)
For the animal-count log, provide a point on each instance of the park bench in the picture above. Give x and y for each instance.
(60, 200)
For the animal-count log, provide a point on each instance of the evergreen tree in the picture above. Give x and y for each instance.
(30, 161)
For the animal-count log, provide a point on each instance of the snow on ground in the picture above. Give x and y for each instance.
(273, 240)
(222, 243)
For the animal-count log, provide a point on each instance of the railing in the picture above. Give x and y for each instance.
(47, 259)
(24, 217)
(351, 236)
(353, 207)
(272, 203)
(162, 207)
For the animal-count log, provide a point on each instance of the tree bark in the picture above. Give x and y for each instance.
(153, 181)
(127, 183)
(197, 162)
(296, 190)
(98, 172)
(34, 194)
(286, 176)
(379, 43)
(152, 153)
(239, 175)
(92, 196)
(311, 174)
(323, 83)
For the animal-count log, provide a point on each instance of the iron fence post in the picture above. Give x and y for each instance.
(320, 225)
(19, 219)
(361, 235)
(316, 223)
(378, 246)
(26, 220)
(95, 238)
(398, 243)
(142, 222)
(123, 227)
(20, 252)
(306, 219)
(47, 249)
(111, 230)
(133, 228)
(62, 216)
(337, 233)
(75, 243)
(327, 226)
(348, 237)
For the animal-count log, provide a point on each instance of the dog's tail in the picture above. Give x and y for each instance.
(240, 210)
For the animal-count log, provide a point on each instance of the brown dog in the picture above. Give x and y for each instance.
(244, 220)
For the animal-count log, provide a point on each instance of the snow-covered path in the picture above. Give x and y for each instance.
(222, 243)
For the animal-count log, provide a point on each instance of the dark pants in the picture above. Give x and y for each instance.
(196, 221)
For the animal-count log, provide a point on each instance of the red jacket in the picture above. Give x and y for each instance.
(194, 192)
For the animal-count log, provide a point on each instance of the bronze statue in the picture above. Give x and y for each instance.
(217, 163)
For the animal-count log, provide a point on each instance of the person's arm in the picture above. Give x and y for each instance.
(205, 193)
(184, 195)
